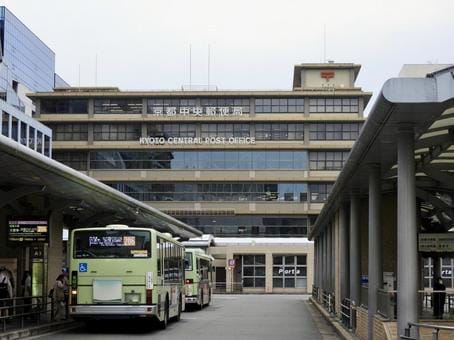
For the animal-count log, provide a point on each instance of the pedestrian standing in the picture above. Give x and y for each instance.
(6, 292)
(27, 291)
(439, 297)
(59, 298)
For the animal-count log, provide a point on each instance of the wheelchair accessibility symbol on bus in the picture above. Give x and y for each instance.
(83, 267)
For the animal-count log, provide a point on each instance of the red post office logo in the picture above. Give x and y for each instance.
(327, 75)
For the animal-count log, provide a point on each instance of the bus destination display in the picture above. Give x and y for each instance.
(31, 230)
(112, 241)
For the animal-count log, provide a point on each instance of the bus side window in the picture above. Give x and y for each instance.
(158, 254)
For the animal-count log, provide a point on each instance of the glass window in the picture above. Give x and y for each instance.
(74, 159)
(279, 105)
(118, 105)
(5, 123)
(56, 106)
(334, 131)
(69, 132)
(203, 160)
(253, 271)
(327, 160)
(319, 191)
(279, 131)
(333, 105)
(112, 244)
(116, 132)
(289, 271)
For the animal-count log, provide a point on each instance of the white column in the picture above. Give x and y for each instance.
(375, 246)
(407, 232)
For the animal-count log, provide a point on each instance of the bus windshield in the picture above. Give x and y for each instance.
(111, 244)
(188, 261)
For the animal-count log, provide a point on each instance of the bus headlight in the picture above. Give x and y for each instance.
(132, 297)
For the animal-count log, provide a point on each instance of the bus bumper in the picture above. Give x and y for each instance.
(191, 299)
(113, 310)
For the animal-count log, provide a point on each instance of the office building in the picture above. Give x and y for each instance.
(230, 163)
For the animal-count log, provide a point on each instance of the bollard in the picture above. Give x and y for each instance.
(435, 334)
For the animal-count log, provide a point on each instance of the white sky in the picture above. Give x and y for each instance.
(144, 44)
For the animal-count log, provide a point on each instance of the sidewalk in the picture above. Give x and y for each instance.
(32, 328)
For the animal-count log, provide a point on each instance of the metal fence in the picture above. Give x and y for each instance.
(20, 309)
(328, 301)
(435, 331)
(228, 287)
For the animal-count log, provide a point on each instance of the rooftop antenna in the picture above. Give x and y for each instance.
(96, 70)
(79, 77)
(324, 43)
(209, 59)
(190, 65)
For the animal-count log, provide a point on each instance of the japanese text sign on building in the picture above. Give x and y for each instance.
(198, 111)
(436, 242)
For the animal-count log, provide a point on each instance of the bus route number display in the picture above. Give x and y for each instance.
(28, 230)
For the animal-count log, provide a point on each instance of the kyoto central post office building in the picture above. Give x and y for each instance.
(250, 164)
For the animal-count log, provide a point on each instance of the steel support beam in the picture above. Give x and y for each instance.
(407, 232)
(375, 245)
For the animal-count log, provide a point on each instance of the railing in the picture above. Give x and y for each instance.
(22, 308)
(387, 303)
(346, 313)
(435, 331)
(364, 297)
(315, 293)
(328, 301)
(228, 287)
(432, 304)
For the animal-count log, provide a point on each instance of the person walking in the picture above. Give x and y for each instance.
(59, 298)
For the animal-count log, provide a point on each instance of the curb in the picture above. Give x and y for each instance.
(340, 330)
(38, 330)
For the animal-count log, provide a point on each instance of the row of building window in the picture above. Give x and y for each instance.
(250, 225)
(176, 106)
(260, 131)
(28, 133)
(225, 191)
(203, 160)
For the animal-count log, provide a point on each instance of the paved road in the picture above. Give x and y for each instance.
(238, 317)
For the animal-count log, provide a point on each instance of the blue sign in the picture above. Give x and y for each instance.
(83, 267)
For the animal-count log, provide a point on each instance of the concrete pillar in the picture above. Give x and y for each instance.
(55, 249)
(315, 264)
(343, 253)
(407, 232)
(268, 272)
(324, 264)
(229, 273)
(355, 250)
(329, 256)
(375, 245)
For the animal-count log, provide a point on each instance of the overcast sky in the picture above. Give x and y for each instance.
(144, 44)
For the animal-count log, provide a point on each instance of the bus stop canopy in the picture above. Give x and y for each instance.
(24, 171)
(426, 104)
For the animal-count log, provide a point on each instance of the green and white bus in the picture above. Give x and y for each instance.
(198, 277)
(125, 272)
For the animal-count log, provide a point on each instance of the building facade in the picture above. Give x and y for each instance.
(230, 163)
(26, 64)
